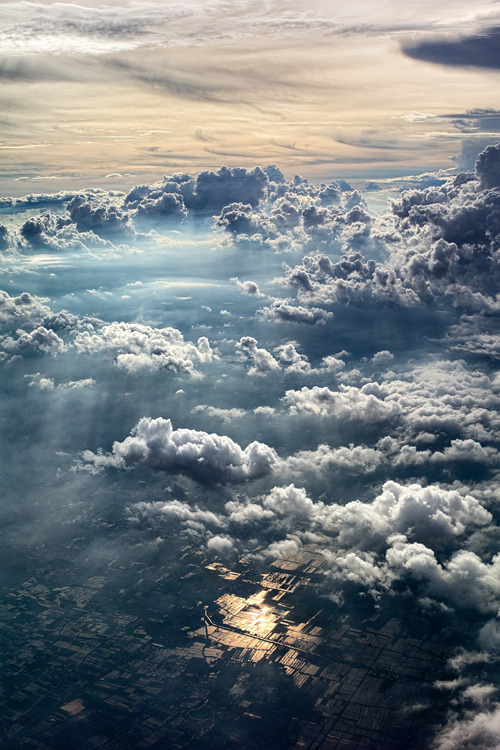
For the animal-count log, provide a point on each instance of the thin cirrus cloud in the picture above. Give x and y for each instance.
(241, 73)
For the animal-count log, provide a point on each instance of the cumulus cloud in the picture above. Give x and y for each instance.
(175, 510)
(299, 215)
(472, 731)
(206, 457)
(382, 357)
(39, 339)
(318, 280)
(262, 362)
(179, 194)
(139, 347)
(283, 312)
(447, 237)
(99, 217)
(247, 287)
(367, 404)
(488, 166)
(352, 458)
(444, 398)
(162, 206)
(23, 309)
(294, 361)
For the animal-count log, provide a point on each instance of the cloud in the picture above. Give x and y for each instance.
(213, 190)
(175, 510)
(383, 357)
(220, 544)
(39, 339)
(447, 236)
(346, 403)
(50, 232)
(480, 50)
(36, 380)
(99, 217)
(250, 288)
(166, 205)
(225, 415)
(488, 165)
(22, 309)
(443, 398)
(283, 312)
(473, 731)
(300, 216)
(352, 458)
(209, 458)
(351, 280)
(293, 359)
(263, 362)
(138, 347)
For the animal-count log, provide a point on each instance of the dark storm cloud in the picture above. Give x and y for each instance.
(206, 457)
(479, 50)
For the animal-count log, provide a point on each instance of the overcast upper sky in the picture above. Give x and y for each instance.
(324, 88)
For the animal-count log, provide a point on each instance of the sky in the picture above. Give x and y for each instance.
(249, 289)
(120, 92)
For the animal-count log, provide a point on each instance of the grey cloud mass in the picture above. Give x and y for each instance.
(478, 50)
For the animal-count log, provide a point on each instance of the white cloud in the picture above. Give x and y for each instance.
(40, 339)
(225, 415)
(207, 457)
(250, 288)
(367, 404)
(263, 362)
(139, 347)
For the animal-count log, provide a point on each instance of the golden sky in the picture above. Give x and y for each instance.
(119, 93)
